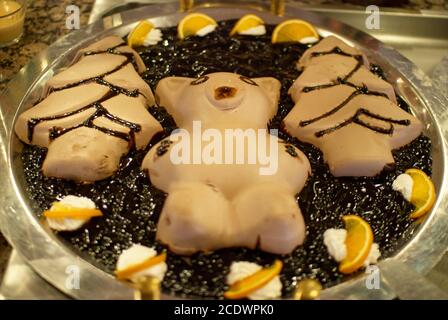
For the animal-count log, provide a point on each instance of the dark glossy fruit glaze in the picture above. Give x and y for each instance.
(131, 205)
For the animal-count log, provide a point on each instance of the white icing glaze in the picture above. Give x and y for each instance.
(404, 184)
(153, 37)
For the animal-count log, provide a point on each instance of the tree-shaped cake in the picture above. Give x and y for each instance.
(92, 113)
(347, 111)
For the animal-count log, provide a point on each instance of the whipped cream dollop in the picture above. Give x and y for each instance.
(404, 184)
(137, 254)
(373, 256)
(68, 224)
(243, 269)
(254, 31)
(153, 37)
(206, 30)
(308, 40)
(334, 240)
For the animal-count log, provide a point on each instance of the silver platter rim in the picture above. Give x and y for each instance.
(53, 260)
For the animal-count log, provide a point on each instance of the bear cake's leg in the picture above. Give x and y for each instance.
(194, 218)
(267, 215)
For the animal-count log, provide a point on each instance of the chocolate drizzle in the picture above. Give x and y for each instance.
(100, 77)
(353, 71)
(339, 51)
(199, 80)
(100, 110)
(32, 123)
(113, 50)
(163, 147)
(363, 90)
(248, 81)
(356, 119)
(291, 151)
(335, 50)
(118, 90)
(359, 91)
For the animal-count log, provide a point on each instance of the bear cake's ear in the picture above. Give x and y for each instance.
(169, 91)
(271, 87)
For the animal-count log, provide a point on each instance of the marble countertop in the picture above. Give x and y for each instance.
(45, 23)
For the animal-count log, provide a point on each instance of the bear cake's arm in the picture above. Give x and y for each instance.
(349, 113)
(101, 101)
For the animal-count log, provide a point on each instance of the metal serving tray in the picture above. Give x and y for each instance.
(50, 257)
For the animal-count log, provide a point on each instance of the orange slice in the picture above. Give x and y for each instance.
(293, 31)
(423, 192)
(358, 242)
(138, 34)
(60, 211)
(247, 22)
(129, 271)
(192, 23)
(244, 287)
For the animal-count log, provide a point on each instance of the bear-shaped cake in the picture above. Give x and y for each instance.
(214, 200)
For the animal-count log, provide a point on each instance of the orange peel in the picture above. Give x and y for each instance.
(246, 286)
